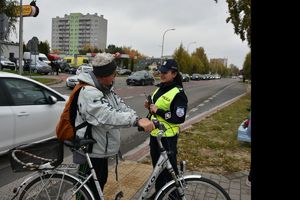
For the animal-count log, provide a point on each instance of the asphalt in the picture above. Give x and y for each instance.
(133, 174)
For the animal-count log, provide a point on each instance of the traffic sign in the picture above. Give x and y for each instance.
(27, 11)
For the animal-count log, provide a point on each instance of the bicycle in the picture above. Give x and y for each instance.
(59, 183)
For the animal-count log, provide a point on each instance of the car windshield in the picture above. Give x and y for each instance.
(43, 59)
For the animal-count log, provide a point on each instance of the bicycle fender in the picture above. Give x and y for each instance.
(172, 181)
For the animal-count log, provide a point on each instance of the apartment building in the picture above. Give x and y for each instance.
(74, 31)
(222, 61)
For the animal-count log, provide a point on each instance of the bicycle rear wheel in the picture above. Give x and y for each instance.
(196, 189)
(53, 186)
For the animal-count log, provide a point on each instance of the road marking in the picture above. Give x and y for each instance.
(206, 101)
(130, 97)
(202, 104)
(194, 109)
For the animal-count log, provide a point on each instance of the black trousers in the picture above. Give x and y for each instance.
(101, 167)
(170, 144)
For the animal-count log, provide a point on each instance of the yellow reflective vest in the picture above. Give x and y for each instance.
(164, 103)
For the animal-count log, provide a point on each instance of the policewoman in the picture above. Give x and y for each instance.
(169, 106)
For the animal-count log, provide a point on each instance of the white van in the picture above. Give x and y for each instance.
(43, 57)
(34, 57)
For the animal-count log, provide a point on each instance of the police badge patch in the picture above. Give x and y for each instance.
(168, 115)
(180, 112)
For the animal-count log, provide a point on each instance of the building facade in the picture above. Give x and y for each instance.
(9, 49)
(75, 31)
(222, 61)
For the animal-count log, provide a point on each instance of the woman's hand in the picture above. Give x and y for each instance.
(153, 108)
(146, 104)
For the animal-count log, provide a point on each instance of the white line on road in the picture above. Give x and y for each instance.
(129, 97)
(194, 109)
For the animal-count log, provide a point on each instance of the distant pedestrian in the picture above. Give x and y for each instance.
(52, 64)
(56, 67)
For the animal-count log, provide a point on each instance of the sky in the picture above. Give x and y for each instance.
(140, 24)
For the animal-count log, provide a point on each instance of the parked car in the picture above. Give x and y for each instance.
(185, 77)
(72, 70)
(71, 81)
(140, 78)
(63, 65)
(84, 68)
(6, 63)
(29, 111)
(124, 72)
(40, 67)
(244, 130)
(196, 76)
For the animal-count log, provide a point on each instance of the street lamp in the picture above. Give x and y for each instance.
(21, 39)
(189, 45)
(162, 46)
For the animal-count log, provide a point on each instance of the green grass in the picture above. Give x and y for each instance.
(45, 80)
(211, 145)
(32, 75)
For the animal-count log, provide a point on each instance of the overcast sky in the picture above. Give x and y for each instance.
(140, 24)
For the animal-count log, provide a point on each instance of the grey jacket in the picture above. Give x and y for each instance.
(107, 113)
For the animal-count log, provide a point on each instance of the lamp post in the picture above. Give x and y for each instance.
(189, 45)
(21, 40)
(162, 46)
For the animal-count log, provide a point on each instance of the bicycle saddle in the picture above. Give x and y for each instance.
(78, 143)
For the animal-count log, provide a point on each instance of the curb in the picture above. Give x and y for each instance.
(55, 82)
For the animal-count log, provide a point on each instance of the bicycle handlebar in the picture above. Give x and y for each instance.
(157, 124)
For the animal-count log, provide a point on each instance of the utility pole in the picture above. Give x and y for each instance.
(21, 39)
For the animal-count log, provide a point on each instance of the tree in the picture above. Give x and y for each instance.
(8, 8)
(200, 53)
(113, 49)
(197, 65)
(43, 47)
(240, 17)
(247, 67)
(183, 59)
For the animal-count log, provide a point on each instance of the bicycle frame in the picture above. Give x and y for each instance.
(162, 163)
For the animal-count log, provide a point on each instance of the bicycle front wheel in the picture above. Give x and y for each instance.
(195, 188)
(54, 186)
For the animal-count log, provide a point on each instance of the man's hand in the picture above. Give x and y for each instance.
(146, 124)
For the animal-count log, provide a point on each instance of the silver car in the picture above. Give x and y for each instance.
(40, 67)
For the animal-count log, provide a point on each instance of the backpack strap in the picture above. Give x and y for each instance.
(80, 126)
